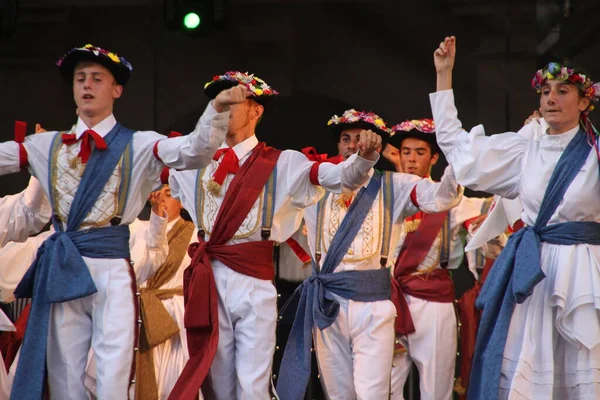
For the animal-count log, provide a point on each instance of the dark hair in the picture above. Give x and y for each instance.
(185, 215)
(433, 148)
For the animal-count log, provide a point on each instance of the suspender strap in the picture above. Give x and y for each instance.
(320, 224)
(445, 233)
(126, 163)
(387, 184)
(269, 205)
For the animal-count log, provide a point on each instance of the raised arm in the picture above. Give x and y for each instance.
(195, 151)
(148, 242)
(492, 164)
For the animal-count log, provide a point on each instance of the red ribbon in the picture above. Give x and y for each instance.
(312, 155)
(164, 175)
(86, 144)
(298, 250)
(230, 164)
(20, 131)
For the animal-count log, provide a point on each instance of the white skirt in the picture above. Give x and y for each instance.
(552, 350)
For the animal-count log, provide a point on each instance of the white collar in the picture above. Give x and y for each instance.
(243, 148)
(102, 128)
(171, 224)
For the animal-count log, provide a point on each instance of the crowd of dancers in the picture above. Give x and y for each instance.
(183, 305)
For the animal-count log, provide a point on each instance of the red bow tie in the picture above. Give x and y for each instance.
(229, 164)
(86, 144)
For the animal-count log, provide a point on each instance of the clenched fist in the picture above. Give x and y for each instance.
(157, 204)
(369, 144)
(235, 95)
(444, 55)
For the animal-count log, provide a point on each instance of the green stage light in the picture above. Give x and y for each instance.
(191, 20)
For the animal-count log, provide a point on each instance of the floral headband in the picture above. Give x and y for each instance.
(97, 51)
(254, 84)
(352, 116)
(422, 125)
(556, 71)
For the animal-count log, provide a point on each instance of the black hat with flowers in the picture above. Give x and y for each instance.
(421, 129)
(353, 119)
(117, 65)
(260, 91)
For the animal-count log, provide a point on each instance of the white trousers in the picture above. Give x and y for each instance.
(171, 356)
(106, 321)
(355, 353)
(247, 322)
(432, 347)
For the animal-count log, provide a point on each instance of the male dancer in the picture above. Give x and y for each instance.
(249, 197)
(97, 178)
(346, 303)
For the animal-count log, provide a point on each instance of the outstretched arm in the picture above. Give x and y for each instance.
(433, 197)
(354, 172)
(306, 179)
(195, 151)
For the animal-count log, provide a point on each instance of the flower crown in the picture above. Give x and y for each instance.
(254, 84)
(556, 71)
(97, 51)
(352, 116)
(425, 125)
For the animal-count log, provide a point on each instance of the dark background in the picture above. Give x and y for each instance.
(322, 56)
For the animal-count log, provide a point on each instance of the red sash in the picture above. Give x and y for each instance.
(201, 318)
(436, 286)
(10, 342)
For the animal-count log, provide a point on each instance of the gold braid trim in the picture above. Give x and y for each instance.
(213, 187)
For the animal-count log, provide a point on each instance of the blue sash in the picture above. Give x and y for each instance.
(318, 306)
(59, 272)
(517, 270)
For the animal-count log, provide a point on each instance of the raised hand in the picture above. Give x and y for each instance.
(157, 204)
(369, 144)
(235, 95)
(444, 55)
(443, 58)
(39, 129)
